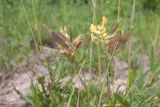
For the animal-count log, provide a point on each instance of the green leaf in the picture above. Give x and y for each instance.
(151, 91)
(120, 98)
(141, 80)
(152, 60)
(51, 72)
(41, 82)
(60, 67)
(34, 95)
(131, 78)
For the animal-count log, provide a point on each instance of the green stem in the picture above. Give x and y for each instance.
(90, 54)
(102, 6)
(99, 63)
(36, 21)
(78, 75)
(94, 11)
(106, 80)
(119, 5)
(29, 25)
(157, 38)
(130, 42)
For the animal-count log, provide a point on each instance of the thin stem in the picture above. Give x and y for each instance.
(106, 79)
(35, 18)
(94, 11)
(102, 7)
(29, 25)
(70, 97)
(78, 99)
(93, 21)
(99, 63)
(90, 57)
(151, 97)
(157, 38)
(133, 12)
(130, 42)
(78, 75)
(90, 54)
(90, 69)
(119, 5)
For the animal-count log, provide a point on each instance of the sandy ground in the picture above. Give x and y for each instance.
(24, 73)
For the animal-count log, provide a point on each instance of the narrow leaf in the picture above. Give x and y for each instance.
(131, 78)
(120, 98)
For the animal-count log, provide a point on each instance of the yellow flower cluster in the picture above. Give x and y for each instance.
(99, 31)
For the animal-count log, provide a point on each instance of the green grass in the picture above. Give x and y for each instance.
(17, 33)
(18, 25)
(21, 20)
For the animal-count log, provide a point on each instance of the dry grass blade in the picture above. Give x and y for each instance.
(115, 28)
(55, 37)
(118, 40)
(49, 51)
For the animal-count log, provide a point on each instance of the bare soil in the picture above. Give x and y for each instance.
(22, 74)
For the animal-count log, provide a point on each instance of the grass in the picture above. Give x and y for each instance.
(17, 26)
(22, 20)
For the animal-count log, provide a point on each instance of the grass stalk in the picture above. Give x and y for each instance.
(119, 6)
(36, 21)
(78, 75)
(29, 25)
(93, 21)
(99, 63)
(106, 80)
(102, 7)
(130, 41)
(91, 44)
(156, 38)
(94, 11)
(78, 98)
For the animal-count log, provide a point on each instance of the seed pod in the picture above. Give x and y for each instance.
(78, 41)
(116, 41)
(57, 38)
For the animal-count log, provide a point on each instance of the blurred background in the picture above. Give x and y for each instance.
(21, 19)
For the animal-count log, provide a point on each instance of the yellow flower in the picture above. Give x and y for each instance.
(105, 35)
(93, 38)
(98, 27)
(99, 31)
(104, 30)
(92, 28)
(104, 20)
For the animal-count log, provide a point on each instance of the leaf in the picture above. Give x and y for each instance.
(34, 92)
(141, 80)
(152, 60)
(51, 72)
(42, 82)
(150, 91)
(131, 78)
(153, 64)
(120, 98)
(49, 51)
(61, 68)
